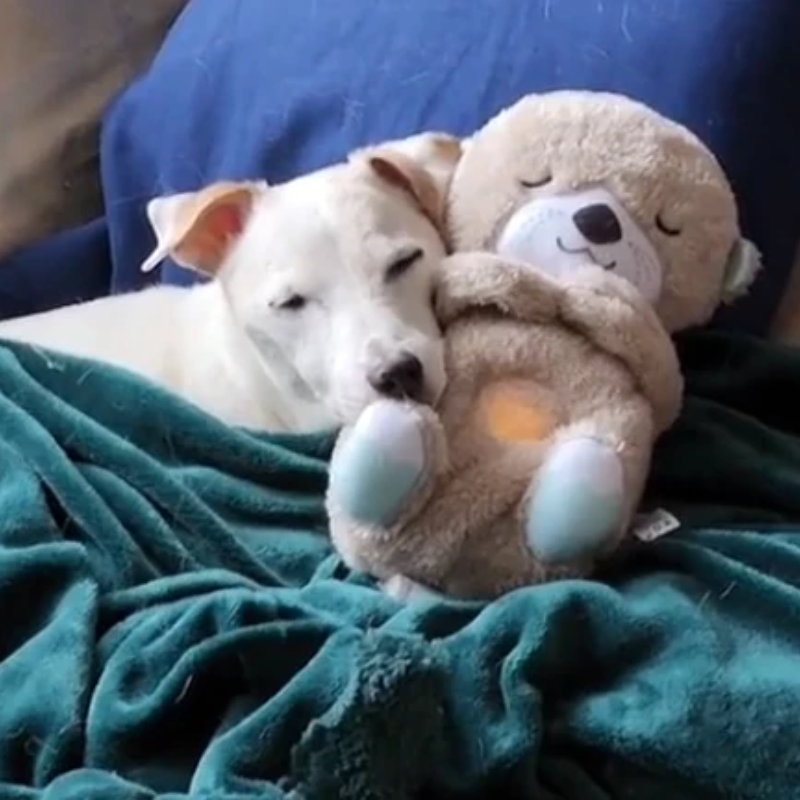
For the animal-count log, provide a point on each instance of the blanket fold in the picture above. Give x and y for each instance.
(176, 624)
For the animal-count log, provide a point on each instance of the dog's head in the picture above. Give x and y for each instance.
(331, 275)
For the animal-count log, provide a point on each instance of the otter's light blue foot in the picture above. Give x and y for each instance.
(578, 502)
(381, 464)
(404, 589)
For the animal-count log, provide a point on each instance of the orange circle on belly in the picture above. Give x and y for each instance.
(512, 412)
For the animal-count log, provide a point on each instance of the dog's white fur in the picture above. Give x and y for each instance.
(232, 345)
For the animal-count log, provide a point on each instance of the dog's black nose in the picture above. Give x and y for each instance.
(598, 223)
(403, 379)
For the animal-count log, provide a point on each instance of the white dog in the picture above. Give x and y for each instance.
(319, 299)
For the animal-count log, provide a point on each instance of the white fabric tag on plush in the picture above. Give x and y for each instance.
(649, 527)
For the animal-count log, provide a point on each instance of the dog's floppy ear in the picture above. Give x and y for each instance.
(196, 229)
(420, 165)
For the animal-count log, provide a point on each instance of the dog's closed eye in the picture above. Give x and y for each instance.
(402, 264)
(292, 303)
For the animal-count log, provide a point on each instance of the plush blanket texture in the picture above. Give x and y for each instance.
(175, 623)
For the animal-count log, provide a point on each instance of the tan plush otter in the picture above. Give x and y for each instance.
(585, 228)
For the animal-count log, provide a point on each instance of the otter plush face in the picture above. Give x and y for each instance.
(569, 178)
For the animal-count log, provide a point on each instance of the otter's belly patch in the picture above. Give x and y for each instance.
(516, 411)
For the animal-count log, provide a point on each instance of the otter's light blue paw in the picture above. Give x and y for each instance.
(380, 465)
(578, 503)
(404, 589)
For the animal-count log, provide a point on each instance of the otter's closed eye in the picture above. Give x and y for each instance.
(535, 184)
(666, 229)
(402, 264)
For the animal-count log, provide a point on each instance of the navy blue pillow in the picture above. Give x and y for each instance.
(273, 88)
(71, 267)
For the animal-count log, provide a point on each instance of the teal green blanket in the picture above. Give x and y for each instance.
(175, 624)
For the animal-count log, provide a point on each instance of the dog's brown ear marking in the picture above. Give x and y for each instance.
(447, 148)
(197, 228)
(404, 173)
(421, 165)
(389, 170)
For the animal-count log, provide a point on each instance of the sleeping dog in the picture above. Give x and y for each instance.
(318, 299)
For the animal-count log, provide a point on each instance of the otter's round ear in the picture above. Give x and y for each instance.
(744, 263)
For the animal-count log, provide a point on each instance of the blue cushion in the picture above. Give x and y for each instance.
(70, 267)
(273, 88)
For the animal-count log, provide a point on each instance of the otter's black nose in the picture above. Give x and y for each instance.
(598, 223)
(402, 380)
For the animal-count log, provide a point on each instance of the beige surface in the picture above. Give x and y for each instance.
(61, 61)
(787, 321)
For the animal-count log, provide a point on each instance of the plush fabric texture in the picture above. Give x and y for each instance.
(176, 625)
(578, 188)
(60, 64)
(668, 220)
(484, 514)
(268, 88)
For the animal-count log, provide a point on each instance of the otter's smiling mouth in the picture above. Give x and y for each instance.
(583, 251)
